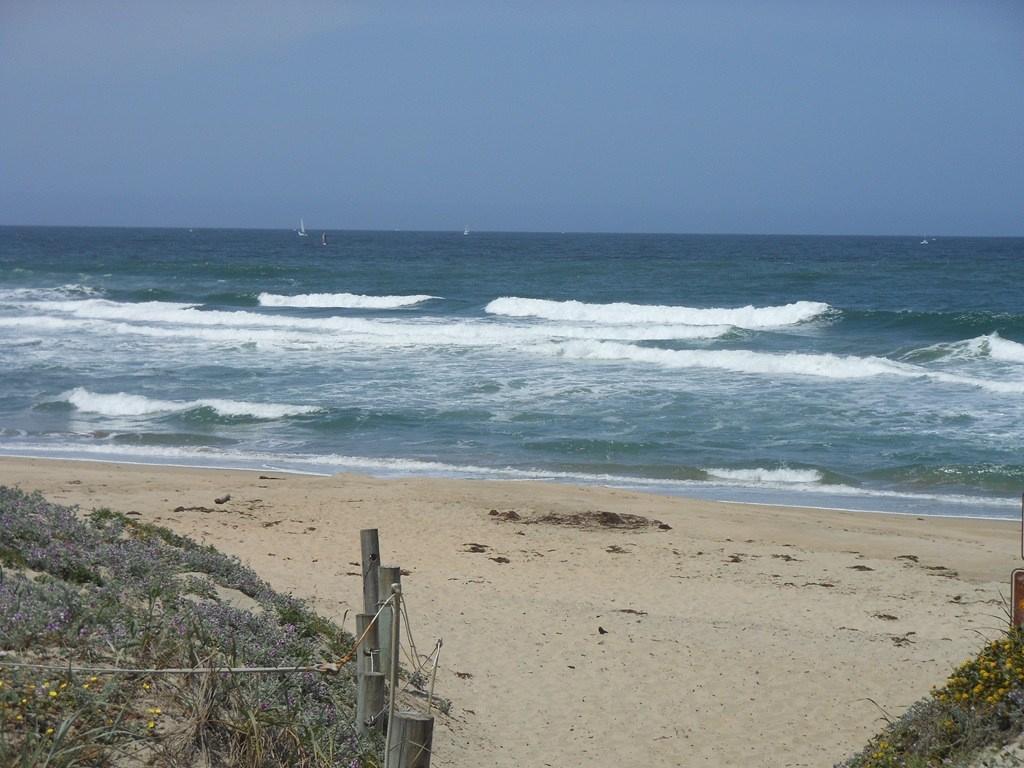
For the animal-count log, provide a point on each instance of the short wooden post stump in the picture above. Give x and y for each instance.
(411, 740)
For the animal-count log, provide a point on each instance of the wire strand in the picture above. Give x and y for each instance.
(324, 668)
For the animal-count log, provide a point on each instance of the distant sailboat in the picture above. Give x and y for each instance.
(302, 229)
(465, 230)
(323, 238)
(925, 241)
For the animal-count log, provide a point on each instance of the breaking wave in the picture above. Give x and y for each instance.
(827, 365)
(67, 291)
(252, 327)
(1004, 349)
(991, 346)
(757, 476)
(623, 314)
(123, 404)
(342, 300)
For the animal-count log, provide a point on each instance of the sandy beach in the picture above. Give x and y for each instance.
(695, 633)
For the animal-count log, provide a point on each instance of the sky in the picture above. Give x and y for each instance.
(811, 117)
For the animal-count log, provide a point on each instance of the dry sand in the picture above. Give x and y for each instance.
(739, 636)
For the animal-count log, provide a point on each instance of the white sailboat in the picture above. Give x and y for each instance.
(465, 230)
(302, 229)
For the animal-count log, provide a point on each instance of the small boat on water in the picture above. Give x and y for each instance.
(465, 230)
(323, 238)
(302, 229)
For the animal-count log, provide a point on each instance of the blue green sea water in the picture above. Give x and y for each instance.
(853, 372)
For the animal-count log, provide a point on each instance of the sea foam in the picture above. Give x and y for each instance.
(24, 295)
(759, 475)
(42, 323)
(124, 404)
(1003, 349)
(624, 314)
(342, 300)
(991, 346)
(828, 366)
(247, 327)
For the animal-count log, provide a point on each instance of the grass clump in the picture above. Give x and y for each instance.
(107, 591)
(981, 707)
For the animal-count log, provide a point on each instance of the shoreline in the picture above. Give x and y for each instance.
(727, 493)
(742, 634)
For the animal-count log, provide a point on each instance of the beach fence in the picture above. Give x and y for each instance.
(409, 733)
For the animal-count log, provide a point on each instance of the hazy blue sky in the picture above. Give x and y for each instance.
(727, 116)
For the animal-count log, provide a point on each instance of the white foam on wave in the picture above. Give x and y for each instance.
(1002, 349)
(69, 290)
(826, 365)
(992, 347)
(191, 321)
(620, 313)
(1002, 387)
(124, 404)
(759, 475)
(342, 300)
(42, 323)
(582, 342)
(104, 309)
(738, 361)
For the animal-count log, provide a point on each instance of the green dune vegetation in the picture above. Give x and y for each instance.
(81, 594)
(976, 719)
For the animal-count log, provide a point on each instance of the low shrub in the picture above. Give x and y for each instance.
(106, 591)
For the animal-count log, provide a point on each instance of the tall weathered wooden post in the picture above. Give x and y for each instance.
(369, 678)
(369, 543)
(390, 620)
(392, 660)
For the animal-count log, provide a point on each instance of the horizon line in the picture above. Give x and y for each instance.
(459, 230)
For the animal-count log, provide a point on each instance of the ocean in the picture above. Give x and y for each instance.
(872, 373)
